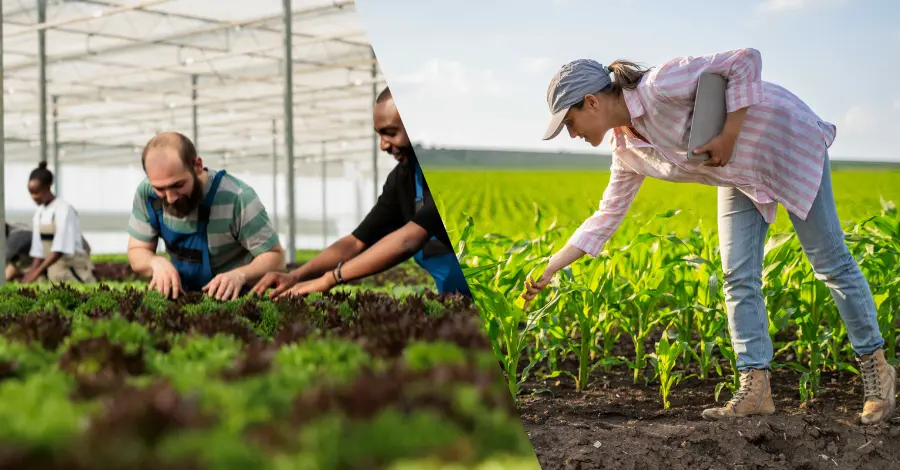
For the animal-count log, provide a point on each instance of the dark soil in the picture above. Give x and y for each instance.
(617, 424)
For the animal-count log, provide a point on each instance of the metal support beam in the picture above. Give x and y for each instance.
(2, 158)
(205, 20)
(194, 110)
(376, 137)
(337, 5)
(289, 126)
(275, 173)
(42, 75)
(316, 95)
(56, 177)
(43, 25)
(324, 199)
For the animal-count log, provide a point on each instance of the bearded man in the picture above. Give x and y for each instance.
(217, 234)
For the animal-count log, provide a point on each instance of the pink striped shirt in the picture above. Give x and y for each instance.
(779, 155)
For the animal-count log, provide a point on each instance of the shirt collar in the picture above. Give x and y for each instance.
(633, 102)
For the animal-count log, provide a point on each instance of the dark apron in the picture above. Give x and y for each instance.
(189, 251)
(74, 268)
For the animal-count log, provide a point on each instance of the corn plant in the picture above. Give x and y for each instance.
(724, 347)
(509, 328)
(879, 237)
(584, 307)
(664, 360)
(638, 320)
(657, 273)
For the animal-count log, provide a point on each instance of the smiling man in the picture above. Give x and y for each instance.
(404, 224)
(217, 233)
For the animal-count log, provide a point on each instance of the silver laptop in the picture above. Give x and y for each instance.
(708, 118)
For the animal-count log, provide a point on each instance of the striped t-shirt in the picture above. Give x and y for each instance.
(239, 228)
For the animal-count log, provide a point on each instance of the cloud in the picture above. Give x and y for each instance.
(897, 103)
(859, 119)
(798, 5)
(453, 78)
(864, 120)
(437, 73)
(537, 65)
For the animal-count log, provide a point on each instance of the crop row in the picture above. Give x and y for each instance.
(659, 291)
(123, 378)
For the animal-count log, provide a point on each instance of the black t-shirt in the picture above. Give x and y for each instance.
(396, 206)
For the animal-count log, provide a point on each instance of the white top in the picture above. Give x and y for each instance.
(68, 229)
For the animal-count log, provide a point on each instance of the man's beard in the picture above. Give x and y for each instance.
(184, 206)
(408, 156)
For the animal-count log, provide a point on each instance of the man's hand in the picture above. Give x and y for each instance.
(226, 286)
(278, 282)
(322, 284)
(165, 279)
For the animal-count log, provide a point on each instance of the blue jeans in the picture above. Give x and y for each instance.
(742, 234)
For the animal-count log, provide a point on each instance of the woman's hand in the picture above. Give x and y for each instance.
(564, 257)
(31, 276)
(720, 149)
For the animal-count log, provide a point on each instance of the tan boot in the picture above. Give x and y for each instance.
(879, 380)
(753, 398)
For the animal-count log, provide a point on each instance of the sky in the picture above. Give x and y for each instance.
(474, 73)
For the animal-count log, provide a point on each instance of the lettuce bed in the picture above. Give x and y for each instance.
(117, 377)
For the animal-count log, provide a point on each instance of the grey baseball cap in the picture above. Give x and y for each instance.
(568, 87)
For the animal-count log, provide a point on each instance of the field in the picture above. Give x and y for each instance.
(613, 364)
(379, 374)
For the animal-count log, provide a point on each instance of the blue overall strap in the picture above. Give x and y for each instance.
(419, 255)
(210, 197)
(419, 185)
(203, 223)
(443, 268)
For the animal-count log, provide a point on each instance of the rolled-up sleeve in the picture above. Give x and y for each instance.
(676, 80)
(385, 216)
(594, 232)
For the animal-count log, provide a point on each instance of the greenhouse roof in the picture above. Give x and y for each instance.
(117, 72)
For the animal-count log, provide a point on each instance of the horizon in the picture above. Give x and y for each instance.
(603, 153)
(475, 74)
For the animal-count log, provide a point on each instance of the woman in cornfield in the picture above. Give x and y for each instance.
(773, 150)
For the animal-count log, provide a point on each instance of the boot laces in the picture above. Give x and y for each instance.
(744, 390)
(871, 379)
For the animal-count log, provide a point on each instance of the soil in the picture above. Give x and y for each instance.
(617, 424)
